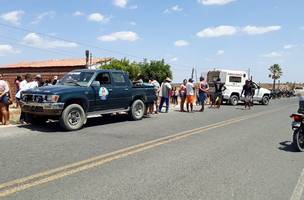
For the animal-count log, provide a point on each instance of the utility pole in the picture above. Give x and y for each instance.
(192, 73)
(91, 59)
(87, 54)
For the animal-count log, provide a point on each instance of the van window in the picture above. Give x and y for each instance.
(235, 79)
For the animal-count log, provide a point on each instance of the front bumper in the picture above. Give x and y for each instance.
(46, 109)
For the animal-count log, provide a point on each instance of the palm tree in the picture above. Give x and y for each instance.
(275, 73)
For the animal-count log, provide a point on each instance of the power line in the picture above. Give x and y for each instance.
(67, 40)
(82, 44)
(15, 42)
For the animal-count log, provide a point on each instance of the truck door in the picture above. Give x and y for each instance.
(104, 93)
(122, 90)
(258, 94)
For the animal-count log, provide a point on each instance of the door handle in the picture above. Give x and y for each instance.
(126, 89)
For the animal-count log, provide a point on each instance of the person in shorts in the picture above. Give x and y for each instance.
(218, 94)
(190, 94)
(4, 101)
(202, 92)
(183, 95)
(247, 92)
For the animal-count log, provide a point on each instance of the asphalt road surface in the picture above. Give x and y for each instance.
(229, 153)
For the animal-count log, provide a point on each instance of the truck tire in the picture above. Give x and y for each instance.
(34, 120)
(234, 100)
(72, 118)
(265, 100)
(137, 110)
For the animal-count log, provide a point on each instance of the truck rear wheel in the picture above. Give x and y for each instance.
(234, 100)
(265, 100)
(72, 118)
(137, 110)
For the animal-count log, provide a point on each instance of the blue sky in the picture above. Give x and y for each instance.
(206, 34)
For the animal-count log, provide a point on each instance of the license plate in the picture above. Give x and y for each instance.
(296, 124)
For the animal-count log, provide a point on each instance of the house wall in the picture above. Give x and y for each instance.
(10, 74)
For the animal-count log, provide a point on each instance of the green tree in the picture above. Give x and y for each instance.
(275, 73)
(156, 69)
(125, 65)
(145, 70)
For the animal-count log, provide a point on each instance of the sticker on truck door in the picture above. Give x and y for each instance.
(103, 93)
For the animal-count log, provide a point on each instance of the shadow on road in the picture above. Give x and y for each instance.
(287, 146)
(54, 127)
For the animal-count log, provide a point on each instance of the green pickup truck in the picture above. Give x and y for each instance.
(85, 93)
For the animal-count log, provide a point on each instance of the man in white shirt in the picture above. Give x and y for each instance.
(164, 94)
(23, 85)
(190, 94)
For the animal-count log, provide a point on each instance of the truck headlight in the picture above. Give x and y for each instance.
(52, 98)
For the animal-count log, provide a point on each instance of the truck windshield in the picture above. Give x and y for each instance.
(77, 78)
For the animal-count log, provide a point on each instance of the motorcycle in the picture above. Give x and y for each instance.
(298, 128)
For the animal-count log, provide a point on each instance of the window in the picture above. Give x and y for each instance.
(118, 78)
(103, 78)
(235, 79)
(77, 77)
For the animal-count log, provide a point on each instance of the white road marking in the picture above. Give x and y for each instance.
(298, 191)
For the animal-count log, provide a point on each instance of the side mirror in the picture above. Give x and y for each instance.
(95, 84)
(259, 87)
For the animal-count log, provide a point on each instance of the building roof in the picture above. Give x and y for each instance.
(55, 63)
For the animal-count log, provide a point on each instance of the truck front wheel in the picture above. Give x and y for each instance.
(72, 118)
(137, 110)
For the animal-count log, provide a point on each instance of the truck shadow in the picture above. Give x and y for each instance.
(287, 146)
(54, 127)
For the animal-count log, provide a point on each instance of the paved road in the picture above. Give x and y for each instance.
(220, 154)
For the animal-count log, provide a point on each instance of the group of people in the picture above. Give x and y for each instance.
(188, 91)
(6, 98)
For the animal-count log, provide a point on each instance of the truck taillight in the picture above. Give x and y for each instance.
(297, 118)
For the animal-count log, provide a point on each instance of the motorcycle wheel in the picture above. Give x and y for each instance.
(298, 140)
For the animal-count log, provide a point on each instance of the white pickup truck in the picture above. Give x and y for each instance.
(234, 82)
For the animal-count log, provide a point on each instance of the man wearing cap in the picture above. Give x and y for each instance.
(38, 80)
(164, 93)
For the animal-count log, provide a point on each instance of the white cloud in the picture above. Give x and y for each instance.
(35, 40)
(133, 23)
(215, 2)
(220, 52)
(273, 55)
(289, 46)
(174, 59)
(120, 3)
(7, 49)
(96, 17)
(177, 8)
(122, 35)
(13, 17)
(217, 31)
(181, 43)
(224, 30)
(133, 7)
(166, 11)
(78, 13)
(255, 30)
(50, 14)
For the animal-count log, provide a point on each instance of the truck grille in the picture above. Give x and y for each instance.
(33, 98)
